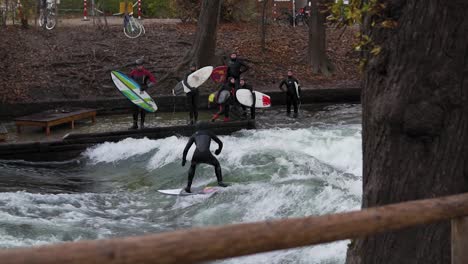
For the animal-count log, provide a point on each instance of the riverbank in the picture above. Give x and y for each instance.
(73, 61)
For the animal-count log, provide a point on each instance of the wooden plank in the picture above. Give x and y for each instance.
(205, 244)
(460, 240)
(48, 116)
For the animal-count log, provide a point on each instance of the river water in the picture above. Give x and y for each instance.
(286, 168)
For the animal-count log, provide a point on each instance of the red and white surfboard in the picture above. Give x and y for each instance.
(245, 97)
(219, 74)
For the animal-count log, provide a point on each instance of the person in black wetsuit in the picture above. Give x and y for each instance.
(224, 107)
(202, 139)
(235, 68)
(192, 97)
(244, 85)
(292, 97)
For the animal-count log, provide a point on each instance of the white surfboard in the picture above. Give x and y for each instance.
(208, 190)
(297, 90)
(199, 77)
(244, 96)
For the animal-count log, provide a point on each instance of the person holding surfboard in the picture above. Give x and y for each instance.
(293, 92)
(202, 139)
(223, 99)
(236, 67)
(192, 97)
(146, 80)
(244, 85)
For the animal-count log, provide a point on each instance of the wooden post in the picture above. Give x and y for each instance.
(460, 240)
(205, 244)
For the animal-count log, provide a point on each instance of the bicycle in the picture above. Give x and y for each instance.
(47, 16)
(3, 13)
(99, 16)
(132, 27)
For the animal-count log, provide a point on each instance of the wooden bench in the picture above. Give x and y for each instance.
(49, 119)
(3, 133)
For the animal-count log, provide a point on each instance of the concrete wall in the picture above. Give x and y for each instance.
(170, 103)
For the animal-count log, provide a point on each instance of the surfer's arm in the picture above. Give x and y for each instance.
(187, 147)
(150, 77)
(220, 143)
(283, 82)
(185, 82)
(244, 67)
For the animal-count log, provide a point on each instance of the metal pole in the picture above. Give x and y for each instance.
(85, 10)
(139, 9)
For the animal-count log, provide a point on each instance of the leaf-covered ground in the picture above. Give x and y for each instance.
(74, 62)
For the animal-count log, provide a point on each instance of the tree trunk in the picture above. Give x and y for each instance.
(318, 58)
(415, 123)
(202, 52)
(264, 24)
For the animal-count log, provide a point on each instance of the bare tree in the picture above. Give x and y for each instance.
(264, 24)
(318, 58)
(202, 52)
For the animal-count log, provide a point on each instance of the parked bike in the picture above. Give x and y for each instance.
(132, 27)
(47, 16)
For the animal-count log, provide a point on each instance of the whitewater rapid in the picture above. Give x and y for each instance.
(280, 172)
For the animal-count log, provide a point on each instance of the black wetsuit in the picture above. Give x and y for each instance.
(202, 154)
(192, 100)
(235, 69)
(142, 81)
(291, 96)
(252, 108)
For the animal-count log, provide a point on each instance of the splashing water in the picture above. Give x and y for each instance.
(313, 168)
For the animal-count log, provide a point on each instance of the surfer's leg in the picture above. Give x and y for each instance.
(191, 175)
(142, 120)
(195, 105)
(226, 112)
(219, 176)
(190, 106)
(221, 111)
(252, 108)
(295, 103)
(135, 109)
(288, 104)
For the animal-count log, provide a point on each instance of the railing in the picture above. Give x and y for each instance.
(204, 244)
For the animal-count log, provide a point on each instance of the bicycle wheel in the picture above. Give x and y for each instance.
(51, 20)
(42, 19)
(132, 28)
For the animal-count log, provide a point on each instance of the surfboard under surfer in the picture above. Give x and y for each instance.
(202, 139)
